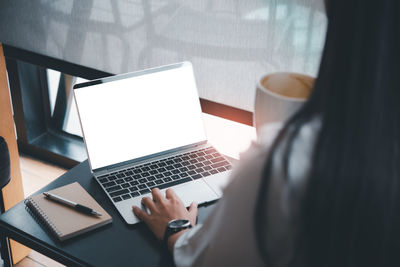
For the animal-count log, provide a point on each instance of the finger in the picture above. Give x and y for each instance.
(142, 215)
(170, 194)
(149, 204)
(157, 196)
(193, 209)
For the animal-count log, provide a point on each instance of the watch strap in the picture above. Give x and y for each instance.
(170, 231)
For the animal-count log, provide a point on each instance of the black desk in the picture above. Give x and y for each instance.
(113, 245)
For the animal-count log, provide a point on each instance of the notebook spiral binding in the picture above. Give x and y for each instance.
(38, 214)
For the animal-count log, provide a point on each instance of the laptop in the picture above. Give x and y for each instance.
(144, 130)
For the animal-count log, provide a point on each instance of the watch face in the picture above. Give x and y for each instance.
(179, 223)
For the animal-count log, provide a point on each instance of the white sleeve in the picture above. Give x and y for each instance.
(190, 248)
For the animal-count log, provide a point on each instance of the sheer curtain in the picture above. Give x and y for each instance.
(230, 42)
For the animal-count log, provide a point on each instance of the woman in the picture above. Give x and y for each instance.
(327, 191)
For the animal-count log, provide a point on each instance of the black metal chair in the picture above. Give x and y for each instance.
(5, 177)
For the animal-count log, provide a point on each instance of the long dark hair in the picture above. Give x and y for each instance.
(350, 215)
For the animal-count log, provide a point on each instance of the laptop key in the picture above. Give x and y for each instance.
(120, 181)
(200, 153)
(205, 174)
(117, 199)
(178, 165)
(167, 174)
(216, 155)
(185, 163)
(222, 169)
(149, 184)
(145, 191)
(120, 175)
(183, 174)
(228, 167)
(191, 172)
(198, 165)
(109, 184)
(169, 167)
(112, 177)
(134, 188)
(197, 176)
(153, 166)
(213, 171)
(162, 164)
(167, 179)
(201, 159)
(184, 169)
(153, 172)
(113, 188)
(208, 156)
(159, 181)
(169, 162)
(219, 164)
(127, 196)
(128, 179)
(125, 185)
(181, 181)
(159, 176)
(135, 194)
(145, 174)
(193, 161)
(162, 170)
(137, 176)
(134, 183)
(207, 168)
(199, 170)
(175, 171)
(142, 181)
(185, 157)
(151, 178)
(137, 171)
(210, 151)
(191, 167)
(119, 192)
(175, 177)
(129, 173)
(145, 169)
(217, 159)
(103, 180)
(142, 186)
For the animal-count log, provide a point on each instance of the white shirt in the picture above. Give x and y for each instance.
(227, 237)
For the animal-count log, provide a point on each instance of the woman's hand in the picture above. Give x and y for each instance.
(163, 210)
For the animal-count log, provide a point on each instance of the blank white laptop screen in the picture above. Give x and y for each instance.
(133, 117)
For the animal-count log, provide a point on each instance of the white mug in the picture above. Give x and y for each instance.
(279, 95)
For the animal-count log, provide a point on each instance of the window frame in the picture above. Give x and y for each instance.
(47, 140)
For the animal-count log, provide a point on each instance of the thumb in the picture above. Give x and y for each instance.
(193, 208)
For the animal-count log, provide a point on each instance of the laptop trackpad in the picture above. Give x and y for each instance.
(218, 182)
(197, 191)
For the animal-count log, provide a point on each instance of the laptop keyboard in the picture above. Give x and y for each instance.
(140, 180)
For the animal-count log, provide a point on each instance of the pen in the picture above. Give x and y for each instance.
(78, 207)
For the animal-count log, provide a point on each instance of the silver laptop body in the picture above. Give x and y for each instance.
(143, 130)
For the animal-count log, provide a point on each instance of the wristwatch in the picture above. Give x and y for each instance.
(175, 226)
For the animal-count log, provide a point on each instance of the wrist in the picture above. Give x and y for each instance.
(173, 227)
(173, 238)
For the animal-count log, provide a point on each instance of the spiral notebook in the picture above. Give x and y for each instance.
(65, 222)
